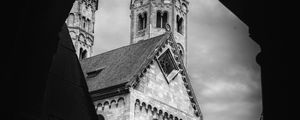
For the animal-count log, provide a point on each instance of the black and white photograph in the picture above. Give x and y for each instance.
(140, 60)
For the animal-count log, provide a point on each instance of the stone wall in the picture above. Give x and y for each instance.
(174, 93)
(147, 108)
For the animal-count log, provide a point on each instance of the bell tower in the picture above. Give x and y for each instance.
(149, 18)
(81, 21)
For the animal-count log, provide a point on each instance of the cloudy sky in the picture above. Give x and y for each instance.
(221, 56)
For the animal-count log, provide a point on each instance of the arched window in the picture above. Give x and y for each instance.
(113, 104)
(121, 102)
(158, 19)
(179, 22)
(99, 106)
(145, 20)
(161, 19)
(142, 21)
(71, 19)
(84, 54)
(106, 105)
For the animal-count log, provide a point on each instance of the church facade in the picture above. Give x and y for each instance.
(142, 81)
(146, 80)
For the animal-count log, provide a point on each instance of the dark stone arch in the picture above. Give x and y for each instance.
(176, 118)
(166, 116)
(149, 108)
(143, 107)
(171, 116)
(154, 111)
(105, 105)
(99, 105)
(137, 101)
(137, 104)
(113, 104)
(121, 101)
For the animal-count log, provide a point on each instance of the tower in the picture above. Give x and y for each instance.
(149, 17)
(81, 21)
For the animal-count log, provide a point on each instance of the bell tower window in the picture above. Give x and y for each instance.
(142, 21)
(161, 19)
(179, 23)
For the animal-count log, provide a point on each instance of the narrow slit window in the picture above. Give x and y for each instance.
(158, 19)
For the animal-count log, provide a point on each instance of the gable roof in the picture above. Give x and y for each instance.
(124, 66)
(119, 65)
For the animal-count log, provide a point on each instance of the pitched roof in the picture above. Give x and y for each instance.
(122, 66)
(119, 65)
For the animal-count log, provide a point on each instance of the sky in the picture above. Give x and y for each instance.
(220, 59)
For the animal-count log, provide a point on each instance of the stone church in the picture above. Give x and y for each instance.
(146, 80)
(81, 21)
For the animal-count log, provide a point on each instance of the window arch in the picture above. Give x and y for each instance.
(158, 19)
(164, 19)
(71, 19)
(161, 19)
(121, 101)
(179, 23)
(99, 106)
(82, 53)
(142, 21)
(145, 20)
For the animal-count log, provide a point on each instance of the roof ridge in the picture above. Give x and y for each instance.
(139, 42)
(138, 71)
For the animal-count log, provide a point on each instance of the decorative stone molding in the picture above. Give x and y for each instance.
(154, 112)
(113, 103)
